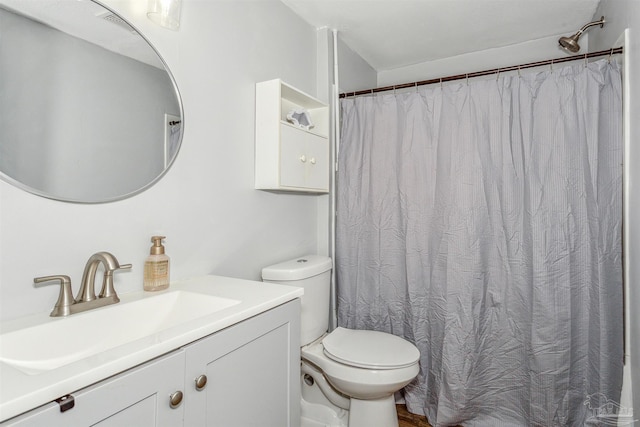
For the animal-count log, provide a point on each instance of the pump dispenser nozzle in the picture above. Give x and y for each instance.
(157, 248)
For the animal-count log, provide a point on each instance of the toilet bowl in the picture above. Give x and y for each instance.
(357, 371)
(367, 366)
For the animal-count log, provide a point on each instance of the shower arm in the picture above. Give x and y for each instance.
(590, 24)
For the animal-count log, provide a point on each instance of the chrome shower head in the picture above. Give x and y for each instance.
(570, 44)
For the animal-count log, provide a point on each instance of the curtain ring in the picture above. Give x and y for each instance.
(416, 86)
(466, 76)
(441, 83)
(519, 75)
(585, 61)
(610, 55)
(551, 66)
(498, 74)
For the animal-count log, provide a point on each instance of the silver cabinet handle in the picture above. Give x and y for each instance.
(175, 399)
(201, 382)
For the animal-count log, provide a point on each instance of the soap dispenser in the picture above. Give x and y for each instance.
(156, 267)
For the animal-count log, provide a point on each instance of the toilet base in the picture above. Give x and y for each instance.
(375, 412)
(317, 415)
(317, 410)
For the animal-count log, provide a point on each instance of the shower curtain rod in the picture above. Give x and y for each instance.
(610, 52)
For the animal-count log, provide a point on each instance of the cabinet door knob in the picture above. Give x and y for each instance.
(201, 382)
(313, 160)
(303, 158)
(175, 399)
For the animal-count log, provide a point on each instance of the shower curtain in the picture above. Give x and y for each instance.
(482, 222)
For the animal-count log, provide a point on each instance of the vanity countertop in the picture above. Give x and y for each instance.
(21, 391)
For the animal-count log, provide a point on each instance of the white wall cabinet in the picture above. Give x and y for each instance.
(289, 157)
(252, 379)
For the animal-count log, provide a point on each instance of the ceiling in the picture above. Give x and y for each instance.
(387, 34)
(390, 34)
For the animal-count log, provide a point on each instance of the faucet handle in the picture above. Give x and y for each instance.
(65, 298)
(107, 283)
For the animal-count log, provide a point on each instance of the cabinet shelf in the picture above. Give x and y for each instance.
(289, 157)
(311, 131)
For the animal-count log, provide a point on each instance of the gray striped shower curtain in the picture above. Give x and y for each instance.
(482, 221)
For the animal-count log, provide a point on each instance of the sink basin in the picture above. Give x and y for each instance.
(48, 346)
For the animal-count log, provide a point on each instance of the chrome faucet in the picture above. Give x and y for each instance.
(86, 298)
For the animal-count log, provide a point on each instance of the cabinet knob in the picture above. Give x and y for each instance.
(201, 382)
(175, 399)
(303, 158)
(313, 160)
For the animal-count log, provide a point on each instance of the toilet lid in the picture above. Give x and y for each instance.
(369, 349)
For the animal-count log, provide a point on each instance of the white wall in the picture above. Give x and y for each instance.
(522, 53)
(215, 222)
(355, 73)
(620, 15)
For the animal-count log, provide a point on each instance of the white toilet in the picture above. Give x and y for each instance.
(351, 374)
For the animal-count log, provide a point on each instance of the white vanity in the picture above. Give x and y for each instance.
(207, 351)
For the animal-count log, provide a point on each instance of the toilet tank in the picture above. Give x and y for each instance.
(313, 274)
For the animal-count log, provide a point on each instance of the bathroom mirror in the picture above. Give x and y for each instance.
(89, 112)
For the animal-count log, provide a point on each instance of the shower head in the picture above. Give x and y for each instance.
(570, 44)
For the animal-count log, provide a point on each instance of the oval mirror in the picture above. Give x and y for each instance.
(89, 112)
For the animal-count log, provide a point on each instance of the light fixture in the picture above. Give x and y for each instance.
(165, 13)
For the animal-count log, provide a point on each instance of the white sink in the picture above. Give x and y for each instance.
(62, 341)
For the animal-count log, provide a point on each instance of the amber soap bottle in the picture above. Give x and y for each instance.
(156, 267)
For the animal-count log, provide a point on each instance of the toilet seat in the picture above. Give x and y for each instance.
(369, 349)
(356, 382)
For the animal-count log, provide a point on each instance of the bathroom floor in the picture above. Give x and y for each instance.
(407, 419)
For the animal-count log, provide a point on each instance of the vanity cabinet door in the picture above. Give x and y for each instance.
(252, 371)
(138, 397)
